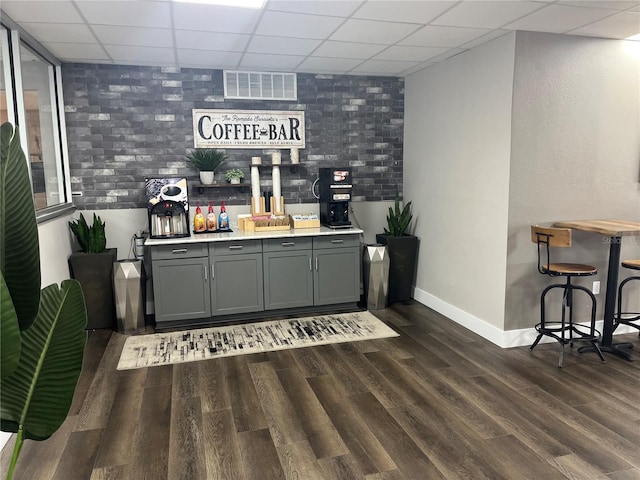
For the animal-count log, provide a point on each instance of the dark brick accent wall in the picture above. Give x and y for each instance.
(125, 123)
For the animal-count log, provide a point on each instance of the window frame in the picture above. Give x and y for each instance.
(13, 38)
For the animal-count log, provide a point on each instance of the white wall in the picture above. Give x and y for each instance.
(575, 155)
(456, 172)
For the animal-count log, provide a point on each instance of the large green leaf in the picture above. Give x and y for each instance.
(19, 248)
(9, 332)
(37, 396)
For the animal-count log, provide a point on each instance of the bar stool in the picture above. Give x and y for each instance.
(627, 318)
(545, 238)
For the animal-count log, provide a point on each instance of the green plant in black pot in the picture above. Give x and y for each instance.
(398, 220)
(92, 239)
(42, 332)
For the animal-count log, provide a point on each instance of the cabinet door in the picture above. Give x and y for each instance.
(336, 275)
(288, 279)
(181, 289)
(236, 284)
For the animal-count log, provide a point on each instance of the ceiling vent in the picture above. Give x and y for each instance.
(260, 85)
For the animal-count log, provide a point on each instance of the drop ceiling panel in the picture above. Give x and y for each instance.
(348, 50)
(326, 64)
(134, 14)
(416, 54)
(273, 62)
(316, 7)
(439, 36)
(282, 24)
(264, 44)
(232, 42)
(403, 11)
(370, 31)
(41, 11)
(76, 52)
(489, 14)
(136, 36)
(61, 32)
(621, 25)
(559, 19)
(203, 58)
(133, 54)
(382, 67)
(210, 18)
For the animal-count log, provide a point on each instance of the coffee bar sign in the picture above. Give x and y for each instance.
(247, 129)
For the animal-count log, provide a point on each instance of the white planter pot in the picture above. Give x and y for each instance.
(206, 178)
(235, 181)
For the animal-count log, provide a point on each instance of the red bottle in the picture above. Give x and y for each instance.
(211, 219)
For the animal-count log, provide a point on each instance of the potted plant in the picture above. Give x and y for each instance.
(403, 251)
(206, 160)
(234, 175)
(93, 268)
(42, 332)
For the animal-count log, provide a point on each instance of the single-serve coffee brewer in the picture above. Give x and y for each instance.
(334, 189)
(168, 207)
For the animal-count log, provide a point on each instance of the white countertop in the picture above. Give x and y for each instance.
(244, 235)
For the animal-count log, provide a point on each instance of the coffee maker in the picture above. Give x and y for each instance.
(334, 189)
(167, 207)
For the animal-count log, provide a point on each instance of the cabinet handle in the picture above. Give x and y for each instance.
(337, 241)
(235, 247)
(179, 250)
(310, 267)
(288, 244)
(205, 273)
(213, 273)
(316, 264)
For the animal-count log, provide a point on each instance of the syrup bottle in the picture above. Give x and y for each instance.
(198, 220)
(223, 219)
(211, 219)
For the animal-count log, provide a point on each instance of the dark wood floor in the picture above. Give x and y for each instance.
(437, 402)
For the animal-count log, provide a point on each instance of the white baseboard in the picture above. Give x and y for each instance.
(502, 338)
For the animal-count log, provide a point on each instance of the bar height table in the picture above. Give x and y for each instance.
(615, 230)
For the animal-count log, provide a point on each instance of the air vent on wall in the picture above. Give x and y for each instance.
(260, 85)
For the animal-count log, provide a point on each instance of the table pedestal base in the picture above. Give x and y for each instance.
(619, 349)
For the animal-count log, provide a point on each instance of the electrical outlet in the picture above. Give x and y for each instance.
(596, 287)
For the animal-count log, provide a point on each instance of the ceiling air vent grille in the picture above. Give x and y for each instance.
(260, 85)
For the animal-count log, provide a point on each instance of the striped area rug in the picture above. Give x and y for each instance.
(206, 343)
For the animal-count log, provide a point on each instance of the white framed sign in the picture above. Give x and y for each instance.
(247, 129)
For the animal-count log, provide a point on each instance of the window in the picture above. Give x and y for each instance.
(30, 98)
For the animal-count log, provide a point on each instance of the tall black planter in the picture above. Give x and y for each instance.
(403, 255)
(94, 271)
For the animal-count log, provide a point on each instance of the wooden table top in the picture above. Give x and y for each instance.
(611, 228)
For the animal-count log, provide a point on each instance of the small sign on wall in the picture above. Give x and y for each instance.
(247, 129)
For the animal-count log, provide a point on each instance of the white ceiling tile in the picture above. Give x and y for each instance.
(144, 55)
(138, 36)
(132, 13)
(326, 64)
(559, 18)
(417, 68)
(621, 25)
(212, 18)
(438, 36)
(452, 52)
(73, 52)
(335, 8)
(402, 10)
(281, 45)
(280, 24)
(60, 32)
(208, 58)
(270, 62)
(607, 4)
(383, 67)
(348, 50)
(41, 11)
(489, 14)
(414, 54)
(232, 42)
(371, 31)
(485, 38)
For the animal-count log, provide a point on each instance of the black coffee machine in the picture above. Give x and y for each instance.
(334, 188)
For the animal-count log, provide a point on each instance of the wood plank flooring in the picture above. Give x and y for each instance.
(437, 402)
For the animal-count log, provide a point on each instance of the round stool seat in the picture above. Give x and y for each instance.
(632, 264)
(570, 269)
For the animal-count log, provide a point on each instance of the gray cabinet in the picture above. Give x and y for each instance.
(336, 276)
(288, 273)
(180, 282)
(236, 277)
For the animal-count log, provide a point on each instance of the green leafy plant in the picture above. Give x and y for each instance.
(398, 220)
(233, 173)
(92, 239)
(42, 332)
(205, 159)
